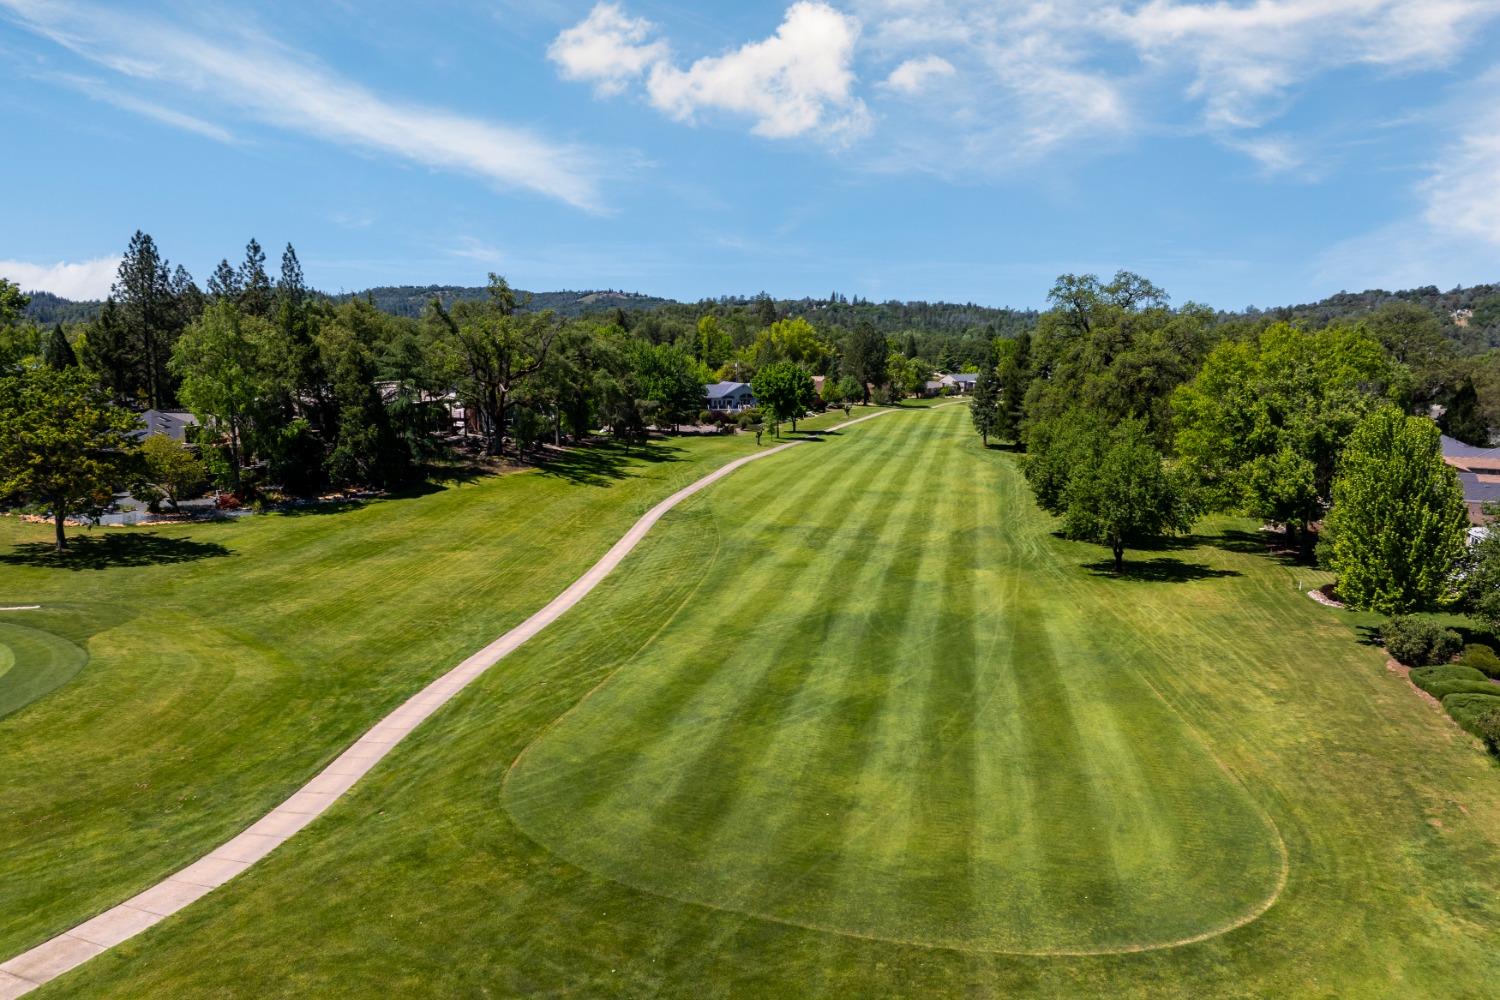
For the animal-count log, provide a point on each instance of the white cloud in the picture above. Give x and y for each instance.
(88, 279)
(798, 81)
(1245, 58)
(608, 47)
(272, 83)
(913, 75)
(1463, 192)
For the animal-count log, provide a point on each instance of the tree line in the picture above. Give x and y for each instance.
(296, 392)
(1137, 418)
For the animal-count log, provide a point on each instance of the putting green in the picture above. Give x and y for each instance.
(890, 712)
(33, 663)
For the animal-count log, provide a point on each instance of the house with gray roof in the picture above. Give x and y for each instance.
(1478, 472)
(729, 397)
(170, 423)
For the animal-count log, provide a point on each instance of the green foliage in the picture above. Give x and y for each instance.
(1420, 642)
(1260, 427)
(1398, 523)
(218, 361)
(984, 406)
(58, 352)
(667, 376)
(1481, 657)
(792, 340)
(1110, 484)
(864, 354)
(62, 441)
(906, 376)
(168, 471)
(784, 389)
(1481, 581)
(1445, 673)
(1117, 349)
(1474, 712)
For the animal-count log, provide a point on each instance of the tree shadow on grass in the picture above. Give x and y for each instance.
(113, 550)
(605, 464)
(1163, 569)
(1254, 543)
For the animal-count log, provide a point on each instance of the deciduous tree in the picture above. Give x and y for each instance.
(784, 389)
(62, 441)
(1398, 522)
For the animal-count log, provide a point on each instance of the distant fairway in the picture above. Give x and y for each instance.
(924, 740)
(850, 723)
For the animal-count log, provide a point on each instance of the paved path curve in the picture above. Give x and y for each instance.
(72, 948)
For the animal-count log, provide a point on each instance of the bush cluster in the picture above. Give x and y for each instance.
(1420, 642)
(1481, 658)
(1467, 694)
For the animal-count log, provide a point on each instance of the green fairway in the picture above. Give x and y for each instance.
(852, 722)
(32, 663)
(931, 745)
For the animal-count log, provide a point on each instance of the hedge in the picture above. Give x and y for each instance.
(1481, 657)
(1467, 708)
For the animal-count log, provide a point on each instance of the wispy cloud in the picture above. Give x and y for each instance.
(88, 279)
(243, 71)
(100, 91)
(474, 249)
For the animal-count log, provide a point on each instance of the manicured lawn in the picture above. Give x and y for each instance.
(855, 723)
(228, 662)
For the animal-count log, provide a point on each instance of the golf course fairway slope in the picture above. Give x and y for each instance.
(924, 741)
(854, 722)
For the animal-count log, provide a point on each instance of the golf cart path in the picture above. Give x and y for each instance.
(72, 948)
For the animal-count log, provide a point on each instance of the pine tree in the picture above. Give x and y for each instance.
(984, 406)
(224, 283)
(1397, 527)
(58, 352)
(150, 321)
(255, 286)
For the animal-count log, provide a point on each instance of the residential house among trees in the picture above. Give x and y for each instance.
(1478, 472)
(729, 397)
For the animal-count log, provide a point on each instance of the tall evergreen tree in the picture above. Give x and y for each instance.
(224, 283)
(150, 321)
(984, 405)
(255, 285)
(1398, 523)
(58, 352)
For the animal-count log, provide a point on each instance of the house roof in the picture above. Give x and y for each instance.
(172, 423)
(965, 376)
(1478, 488)
(721, 389)
(1470, 457)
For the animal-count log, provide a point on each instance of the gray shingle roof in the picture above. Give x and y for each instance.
(721, 389)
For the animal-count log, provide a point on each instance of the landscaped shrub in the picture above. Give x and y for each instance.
(1442, 689)
(1443, 673)
(1418, 642)
(705, 416)
(1481, 657)
(1487, 728)
(1468, 709)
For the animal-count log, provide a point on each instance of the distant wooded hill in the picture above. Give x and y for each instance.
(1470, 316)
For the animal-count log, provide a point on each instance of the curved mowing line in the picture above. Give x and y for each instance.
(72, 948)
(1234, 923)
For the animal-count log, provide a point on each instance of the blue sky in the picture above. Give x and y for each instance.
(1236, 153)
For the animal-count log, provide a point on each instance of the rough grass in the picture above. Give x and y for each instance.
(228, 662)
(1006, 748)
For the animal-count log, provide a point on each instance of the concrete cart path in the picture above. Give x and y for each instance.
(72, 948)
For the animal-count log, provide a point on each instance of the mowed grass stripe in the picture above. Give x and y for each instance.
(834, 776)
(827, 731)
(700, 697)
(600, 768)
